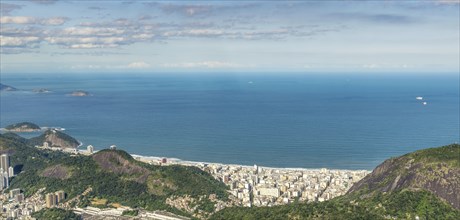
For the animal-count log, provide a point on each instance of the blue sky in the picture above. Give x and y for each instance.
(229, 36)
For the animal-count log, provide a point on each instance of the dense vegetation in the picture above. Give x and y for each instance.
(109, 174)
(55, 213)
(400, 205)
(130, 213)
(23, 126)
(436, 170)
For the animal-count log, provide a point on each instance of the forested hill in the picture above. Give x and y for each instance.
(109, 175)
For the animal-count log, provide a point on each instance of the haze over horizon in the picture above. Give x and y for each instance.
(230, 36)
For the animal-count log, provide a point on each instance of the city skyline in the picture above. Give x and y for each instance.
(229, 36)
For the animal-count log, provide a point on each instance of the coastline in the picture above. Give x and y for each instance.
(177, 161)
(174, 161)
(32, 131)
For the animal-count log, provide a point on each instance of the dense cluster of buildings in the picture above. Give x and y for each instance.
(14, 205)
(47, 146)
(260, 186)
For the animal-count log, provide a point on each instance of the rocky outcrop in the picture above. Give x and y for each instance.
(434, 170)
(121, 163)
(55, 138)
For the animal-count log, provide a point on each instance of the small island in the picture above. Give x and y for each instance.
(4, 87)
(23, 127)
(41, 90)
(80, 93)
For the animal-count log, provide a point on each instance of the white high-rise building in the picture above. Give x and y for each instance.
(10, 171)
(5, 162)
(90, 149)
(5, 180)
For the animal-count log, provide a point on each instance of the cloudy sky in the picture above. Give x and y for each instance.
(41, 36)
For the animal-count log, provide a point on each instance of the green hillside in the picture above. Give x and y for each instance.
(109, 174)
(55, 138)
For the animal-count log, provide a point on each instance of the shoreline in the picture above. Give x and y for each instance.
(178, 161)
(32, 131)
(172, 161)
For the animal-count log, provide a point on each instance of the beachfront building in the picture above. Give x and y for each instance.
(113, 147)
(90, 149)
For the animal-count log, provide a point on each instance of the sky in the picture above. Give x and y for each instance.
(58, 36)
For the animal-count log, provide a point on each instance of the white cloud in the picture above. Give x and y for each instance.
(17, 20)
(138, 65)
(6, 41)
(133, 65)
(33, 20)
(371, 66)
(86, 42)
(90, 31)
(203, 64)
(448, 1)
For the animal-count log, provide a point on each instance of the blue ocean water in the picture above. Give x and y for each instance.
(346, 121)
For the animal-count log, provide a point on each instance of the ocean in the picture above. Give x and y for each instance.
(337, 121)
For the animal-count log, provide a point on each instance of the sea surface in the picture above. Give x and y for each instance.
(339, 121)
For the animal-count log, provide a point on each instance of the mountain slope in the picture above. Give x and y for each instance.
(55, 138)
(112, 175)
(436, 170)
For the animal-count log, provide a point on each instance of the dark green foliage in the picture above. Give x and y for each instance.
(449, 154)
(400, 205)
(206, 205)
(23, 125)
(130, 213)
(116, 187)
(56, 214)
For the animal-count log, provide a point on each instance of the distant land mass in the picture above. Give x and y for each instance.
(423, 184)
(23, 127)
(80, 93)
(4, 87)
(41, 90)
(55, 138)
